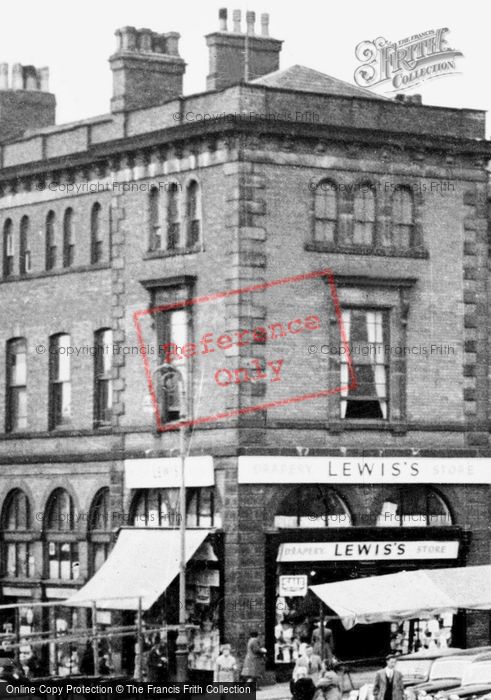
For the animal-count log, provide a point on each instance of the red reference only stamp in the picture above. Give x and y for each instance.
(275, 353)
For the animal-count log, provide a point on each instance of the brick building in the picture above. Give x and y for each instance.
(168, 198)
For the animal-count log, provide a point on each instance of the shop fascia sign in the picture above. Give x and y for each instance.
(256, 469)
(368, 551)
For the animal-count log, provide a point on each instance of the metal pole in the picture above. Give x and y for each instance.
(139, 622)
(182, 640)
(321, 621)
(95, 648)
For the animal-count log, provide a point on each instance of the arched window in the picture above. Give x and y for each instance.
(103, 363)
(51, 240)
(61, 540)
(18, 560)
(160, 508)
(16, 414)
(8, 248)
(96, 236)
(68, 239)
(99, 529)
(173, 225)
(193, 223)
(154, 216)
(315, 505)
(24, 246)
(364, 216)
(325, 212)
(413, 506)
(403, 219)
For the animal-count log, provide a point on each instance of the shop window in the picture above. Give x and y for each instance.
(325, 212)
(51, 247)
(8, 248)
(367, 398)
(99, 529)
(103, 395)
(18, 560)
(173, 224)
(68, 239)
(193, 223)
(154, 219)
(96, 235)
(160, 508)
(413, 506)
(172, 329)
(60, 539)
(59, 381)
(364, 216)
(16, 413)
(403, 219)
(24, 247)
(312, 506)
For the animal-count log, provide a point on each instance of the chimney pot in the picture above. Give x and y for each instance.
(4, 76)
(250, 21)
(43, 74)
(222, 17)
(17, 77)
(236, 19)
(128, 39)
(145, 42)
(172, 43)
(265, 24)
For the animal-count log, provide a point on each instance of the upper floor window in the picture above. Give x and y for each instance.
(24, 246)
(96, 236)
(172, 329)
(154, 218)
(62, 547)
(315, 505)
(103, 377)
(16, 413)
(99, 530)
(68, 239)
(8, 248)
(193, 224)
(59, 381)
(173, 224)
(160, 508)
(367, 330)
(18, 560)
(403, 218)
(364, 216)
(413, 506)
(51, 247)
(325, 212)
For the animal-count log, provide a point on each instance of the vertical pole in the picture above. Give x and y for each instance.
(139, 632)
(95, 644)
(182, 642)
(321, 622)
(17, 632)
(53, 661)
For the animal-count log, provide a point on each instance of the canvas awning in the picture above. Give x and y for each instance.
(142, 564)
(407, 594)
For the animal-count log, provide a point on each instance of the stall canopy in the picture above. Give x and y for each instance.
(142, 564)
(407, 594)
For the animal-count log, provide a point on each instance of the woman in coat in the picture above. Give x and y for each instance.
(252, 669)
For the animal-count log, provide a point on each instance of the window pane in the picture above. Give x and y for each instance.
(324, 230)
(326, 203)
(18, 363)
(11, 559)
(63, 358)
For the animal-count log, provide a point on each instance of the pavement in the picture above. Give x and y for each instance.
(281, 691)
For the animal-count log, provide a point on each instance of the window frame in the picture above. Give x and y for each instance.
(55, 538)
(68, 238)
(103, 378)
(18, 537)
(8, 249)
(96, 234)
(334, 220)
(398, 225)
(298, 494)
(155, 229)
(173, 217)
(99, 537)
(13, 390)
(363, 191)
(56, 401)
(51, 248)
(403, 493)
(193, 206)
(24, 246)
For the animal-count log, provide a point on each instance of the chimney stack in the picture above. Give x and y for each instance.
(147, 69)
(227, 51)
(25, 100)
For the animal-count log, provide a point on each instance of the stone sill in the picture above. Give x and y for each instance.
(318, 247)
(55, 273)
(151, 254)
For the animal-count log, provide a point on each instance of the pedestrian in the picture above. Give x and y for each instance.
(225, 666)
(311, 662)
(328, 642)
(252, 669)
(388, 682)
(157, 664)
(303, 688)
(329, 685)
(87, 660)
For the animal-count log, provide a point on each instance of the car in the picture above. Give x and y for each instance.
(446, 672)
(415, 668)
(476, 681)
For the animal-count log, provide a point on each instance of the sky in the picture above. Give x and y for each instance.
(75, 39)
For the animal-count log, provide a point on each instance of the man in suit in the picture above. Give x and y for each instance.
(312, 664)
(388, 682)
